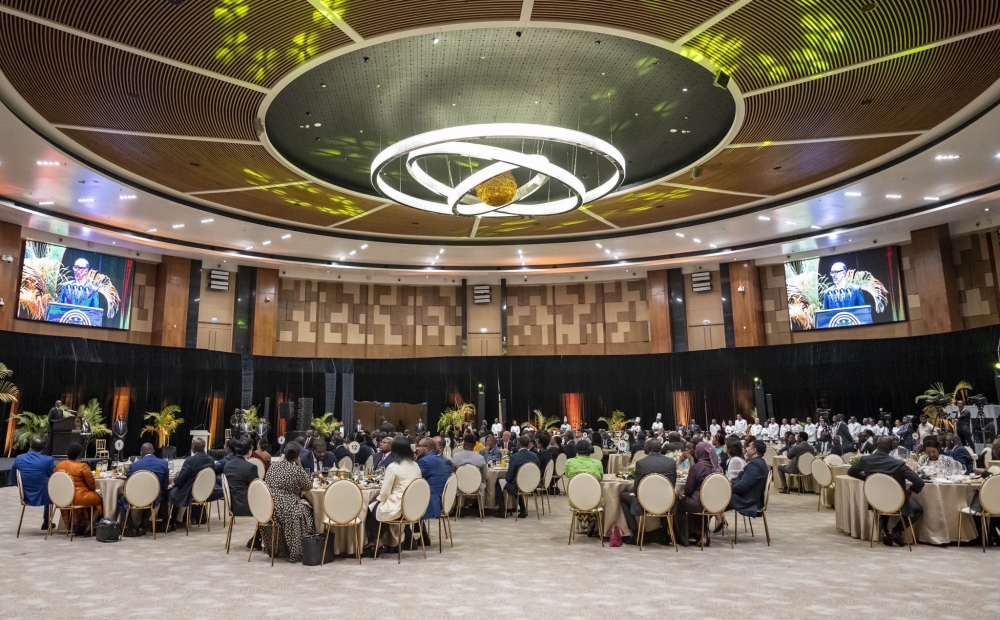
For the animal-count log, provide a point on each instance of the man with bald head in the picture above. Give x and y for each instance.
(880, 462)
(180, 494)
(842, 294)
(148, 461)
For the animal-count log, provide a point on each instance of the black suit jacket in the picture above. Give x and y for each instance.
(383, 460)
(239, 474)
(544, 456)
(514, 463)
(180, 495)
(363, 453)
(658, 464)
(749, 488)
(569, 448)
(845, 436)
(340, 452)
(882, 463)
(328, 461)
(119, 428)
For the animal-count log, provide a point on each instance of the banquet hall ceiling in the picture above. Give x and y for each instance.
(198, 100)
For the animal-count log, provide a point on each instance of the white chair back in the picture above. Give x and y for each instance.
(416, 498)
(989, 495)
(469, 478)
(141, 489)
(528, 477)
(20, 487)
(260, 466)
(547, 475)
(584, 491)
(805, 463)
(343, 502)
(883, 493)
(833, 459)
(769, 455)
(597, 453)
(448, 496)
(346, 463)
(655, 494)
(767, 491)
(847, 457)
(561, 464)
(204, 484)
(821, 472)
(261, 502)
(715, 493)
(61, 489)
(638, 456)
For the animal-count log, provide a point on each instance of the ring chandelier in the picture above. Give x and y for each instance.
(492, 191)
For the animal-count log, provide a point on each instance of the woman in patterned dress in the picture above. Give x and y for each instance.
(288, 482)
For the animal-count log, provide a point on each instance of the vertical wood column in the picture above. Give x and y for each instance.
(748, 307)
(170, 302)
(265, 312)
(934, 272)
(10, 245)
(659, 311)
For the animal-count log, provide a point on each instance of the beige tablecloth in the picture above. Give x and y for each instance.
(492, 475)
(808, 484)
(343, 538)
(617, 461)
(830, 493)
(612, 488)
(111, 489)
(938, 525)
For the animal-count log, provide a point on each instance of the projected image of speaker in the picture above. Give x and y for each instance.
(286, 411)
(305, 411)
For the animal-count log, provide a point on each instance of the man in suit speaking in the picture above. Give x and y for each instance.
(654, 463)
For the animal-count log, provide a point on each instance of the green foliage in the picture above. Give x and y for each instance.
(8, 391)
(163, 424)
(454, 419)
(935, 399)
(616, 422)
(326, 425)
(251, 417)
(29, 426)
(543, 421)
(93, 414)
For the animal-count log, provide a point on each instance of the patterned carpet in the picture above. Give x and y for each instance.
(499, 569)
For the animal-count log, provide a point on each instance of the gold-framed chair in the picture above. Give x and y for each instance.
(228, 435)
(638, 456)
(142, 489)
(528, 477)
(824, 479)
(761, 514)
(585, 495)
(559, 474)
(469, 480)
(101, 449)
(804, 466)
(989, 501)
(346, 463)
(714, 495)
(201, 490)
(61, 493)
(228, 501)
(370, 465)
(598, 453)
(259, 464)
(24, 504)
(262, 508)
(416, 498)
(656, 495)
(343, 505)
(886, 498)
(833, 459)
(543, 486)
(448, 497)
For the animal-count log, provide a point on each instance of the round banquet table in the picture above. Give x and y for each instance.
(941, 502)
(111, 489)
(343, 538)
(830, 493)
(808, 484)
(611, 490)
(493, 474)
(618, 461)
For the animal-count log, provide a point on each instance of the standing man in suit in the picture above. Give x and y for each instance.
(36, 469)
(318, 459)
(880, 462)
(180, 494)
(119, 429)
(657, 464)
(842, 434)
(750, 485)
(794, 452)
(516, 460)
(421, 427)
(262, 429)
(55, 414)
(148, 461)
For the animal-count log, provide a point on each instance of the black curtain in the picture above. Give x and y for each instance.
(854, 377)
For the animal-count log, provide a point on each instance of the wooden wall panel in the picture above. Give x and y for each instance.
(265, 312)
(170, 304)
(659, 311)
(932, 265)
(10, 243)
(748, 317)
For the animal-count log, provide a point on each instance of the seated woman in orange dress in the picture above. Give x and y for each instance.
(85, 485)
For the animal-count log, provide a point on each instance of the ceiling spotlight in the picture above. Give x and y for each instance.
(46, 163)
(814, 227)
(832, 236)
(266, 243)
(946, 157)
(684, 89)
(763, 218)
(607, 251)
(248, 248)
(599, 245)
(364, 247)
(285, 236)
(852, 194)
(790, 223)
(85, 200)
(127, 197)
(441, 251)
(696, 240)
(208, 220)
(151, 230)
(353, 252)
(482, 330)
(894, 196)
(47, 202)
(519, 251)
(712, 245)
(178, 226)
(435, 41)
(931, 198)
(681, 235)
(615, 257)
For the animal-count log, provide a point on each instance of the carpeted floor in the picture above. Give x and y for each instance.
(499, 569)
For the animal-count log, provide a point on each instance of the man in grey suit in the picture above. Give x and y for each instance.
(794, 452)
(654, 463)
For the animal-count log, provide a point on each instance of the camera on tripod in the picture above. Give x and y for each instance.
(978, 400)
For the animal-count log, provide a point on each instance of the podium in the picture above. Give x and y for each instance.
(207, 436)
(64, 432)
(844, 317)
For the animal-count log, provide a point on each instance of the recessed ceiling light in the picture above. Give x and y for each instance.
(931, 198)
(317, 124)
(763, 218)
(353, 252)
(615, 257)
(266, 243)
(248, 248)
(681, 235)
(482, 330)
(832, 236)
(519, 251)
(814, 227)
(790, 223)
(607, 251)
(151, 230)
(47, 202)
(127, 197)
(46, 163)
(852, 194)
(712, 245)
(364, 247)
(599, 245)
(285, 236)
(441, 251)
(946, 157)
(684, 89)
(435, 41)
(178, 226)
(208, 220)
(85, 200)
(696, 240)
(894, 196)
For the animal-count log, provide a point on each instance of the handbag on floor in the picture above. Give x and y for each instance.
(312, 550)
(615, 536)
(107, 531)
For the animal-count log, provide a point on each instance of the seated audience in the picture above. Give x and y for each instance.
(514, 463)
(932, 461)
(262, 453)
(569, 444)
(470, 456)
(230, 447)
(580, 464)
(654, 463)
(288, 482)
(180, 494)
(36, 469)
(398, 475)
(491, 453)
(85, 489)
(825, 445)
(957, 451)
(750, 485)
(384, 455)
(735, 464)
(705, 464)
(148, 461)
(540, 442)
(879, 462)
(794, 452)
(436, 470)
(318, 460)
(898, 451)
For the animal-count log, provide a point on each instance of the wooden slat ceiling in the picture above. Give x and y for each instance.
(256, 42)
(654, 205)
(187, 165)
(306, 203)
(666, 20)
(777, 169)
(568, 223)
(73, 81)
(911, 93)
(370, 18)
(400, 220)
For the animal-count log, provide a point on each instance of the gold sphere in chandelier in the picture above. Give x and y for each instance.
(498, 191)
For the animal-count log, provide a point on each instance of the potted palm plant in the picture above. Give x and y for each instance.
(326, 424)
(453, 419)
(94, 415)
(935, 400)
(616, 423)
(29, 427)
(544, 422)
(251, 417)
(162, 424)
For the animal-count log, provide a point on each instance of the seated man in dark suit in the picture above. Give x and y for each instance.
(879, 462)
(148, 461)
(384, 455)
(514, 463)
(239, 474)
(36, 469)
(180, 494)
(436, 470)
(569, 445)
(654, 463)
(230, 447)
(794, 452)
(674, 443)
(751, 483)
(541, 449)
(316, 460)
(960, 453)
(640, 441)
(365, 451)
(340, 450)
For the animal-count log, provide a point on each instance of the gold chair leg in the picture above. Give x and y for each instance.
(152, 517)
(399, 559)
(913, 534)
(256, 528)
(440, 542)
(548, 498)
(479, 500)
(959, 546)
(92, 522)
(537, 514)
(985, 529)
(326, 540)
(187, 521)
(600, 527)
(124, 525)
(871, 536)
(23, 506)
(641, 534)
(72, 515)
(378, 537)
(206, 511)
(422, 545)
(767, 532)
(572, 521)
(274, 539)
(229, 536)
(736, 528)
(670, 526)
(357, 541)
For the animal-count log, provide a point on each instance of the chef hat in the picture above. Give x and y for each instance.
(659, 415)
(565, 418)
(637, 420)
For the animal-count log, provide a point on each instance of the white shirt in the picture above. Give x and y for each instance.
(811, 431)
(756, 430)
(497, 429)
(657, 425)
(565, 427)
(636, 428)
(515, 430)
(880, 430)
(740, 426)
(855, 428)
(773, 431)
(713, 429)
(925, 429)
(735, 466)
(784, 428)
(897, 431)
